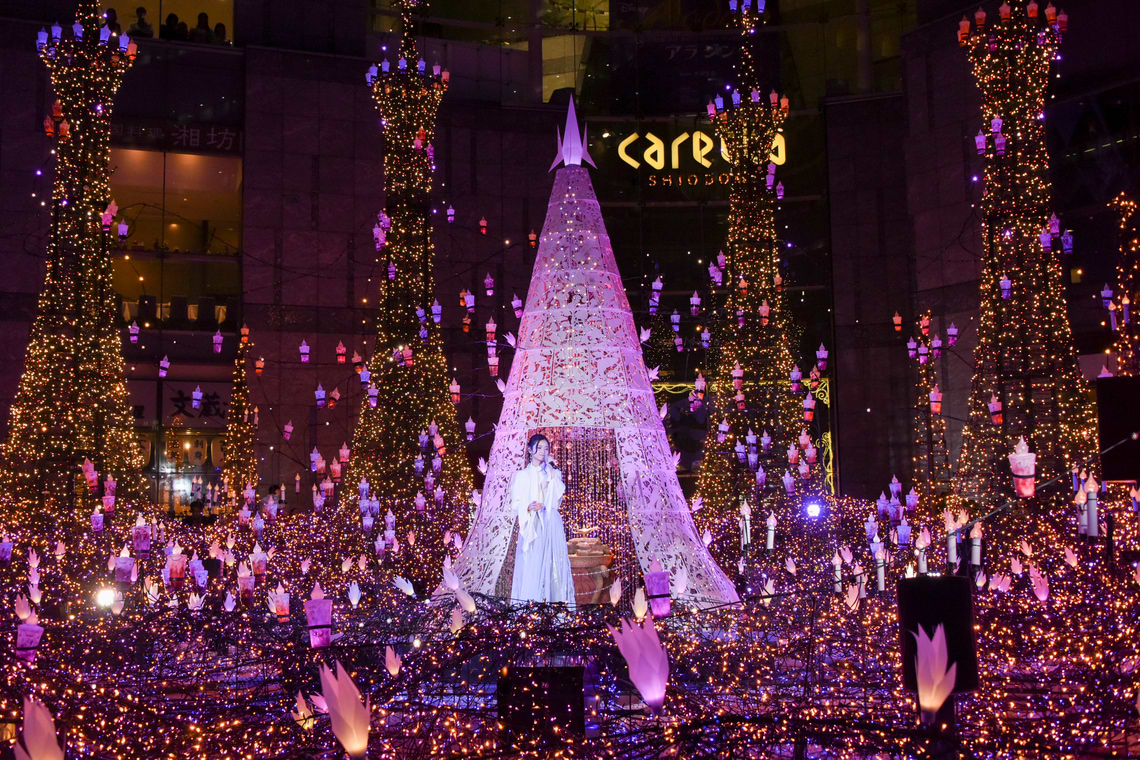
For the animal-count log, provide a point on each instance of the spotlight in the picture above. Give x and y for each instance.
(813, 509)
(105, 597)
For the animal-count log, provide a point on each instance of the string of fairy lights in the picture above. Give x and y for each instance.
(1124, 325)
(1025, 359)
(72, 401)
(172, 641)
(758, 392)
(409, 416)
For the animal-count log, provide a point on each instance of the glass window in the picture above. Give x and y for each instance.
(181, 202)
(205, 21)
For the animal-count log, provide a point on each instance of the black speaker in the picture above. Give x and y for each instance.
(534, 701)
(213, 567)
(930, 601)
(1118, 417)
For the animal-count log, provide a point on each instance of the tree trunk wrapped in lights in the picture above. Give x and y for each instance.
(411, 397)
(72, 401)
(1025, 354)
(1126, 347)
(931, 468)
(240, 468)
(759, 344)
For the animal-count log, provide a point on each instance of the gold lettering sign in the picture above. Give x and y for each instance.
(702, 145)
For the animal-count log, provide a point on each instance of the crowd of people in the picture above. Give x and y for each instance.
(172, 29)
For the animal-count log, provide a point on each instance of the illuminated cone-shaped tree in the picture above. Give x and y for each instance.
(745, 338)
(1025, 359)
(588, 390)
(412, 389)
(72, 400)
(240, 468)
(1126, 347)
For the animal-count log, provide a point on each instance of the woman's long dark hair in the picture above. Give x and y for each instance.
(532, 444)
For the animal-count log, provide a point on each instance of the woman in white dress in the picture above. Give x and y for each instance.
(542, 565)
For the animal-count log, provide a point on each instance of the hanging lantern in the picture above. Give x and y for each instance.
(809, 408)
(470, 427)
(133, 330)
(779, 191)
(706, 336)
(811, 454)
(163, 366)
(493, 365)
(722, 431)
(517, 305)
(694, 304)
(373, 394)
(679, 343)
(483, 225)
(936, 347)
(436, 311)
(999, 144)
(469, 302)
(1106, 296)
(740, 317)
(490, 328)
(1023, 465)
(743, 286)
(897, 321)
(675, 321)
(740, 402)
(489, 284)
(196, 397)
(911, 348)
(980, 18)
(778, 281)
(218, 342)
(450, 214)
(935, 400)
(1054, 224)
(923, 353)
(365, 376)
(821, 357)
(1006, 287)
(407, 353)
(793, 454)
(319, 393)
(796, 376)
(1067, 242)
(357, 362)
(333, 398)
(304, 349)
(699, 385)
(391, 271)
(454, 389)
(288, 430)
(951, 335)
(813, 379)
(341, 353)
(765, 310)
(533, 238)
(995, 409)
(737, 376)
(789, 483)
(765, 442)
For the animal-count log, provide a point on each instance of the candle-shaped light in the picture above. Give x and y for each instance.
(770, 541)
(976, 544)
(837, 573)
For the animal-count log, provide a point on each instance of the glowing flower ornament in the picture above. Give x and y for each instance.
(39, 739)
(350, 719)
(935, 680)
(647, 660)
(392, 661)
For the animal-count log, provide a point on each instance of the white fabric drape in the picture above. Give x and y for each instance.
(542, 564)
